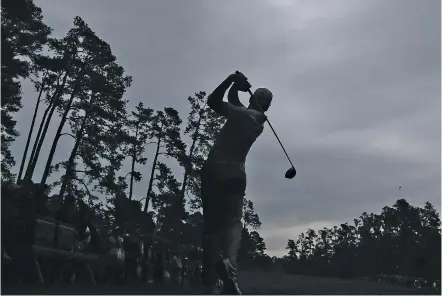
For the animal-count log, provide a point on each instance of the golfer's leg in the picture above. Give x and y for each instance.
(231, 234)
(210, 255)
(211, 246)
(232, 227)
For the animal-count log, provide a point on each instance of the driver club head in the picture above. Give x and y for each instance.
(291, 173)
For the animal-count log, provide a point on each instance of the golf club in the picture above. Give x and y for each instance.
(291, 172)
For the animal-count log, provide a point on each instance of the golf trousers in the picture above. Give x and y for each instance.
(223, 186)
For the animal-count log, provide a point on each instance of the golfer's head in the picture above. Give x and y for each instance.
(263, 97)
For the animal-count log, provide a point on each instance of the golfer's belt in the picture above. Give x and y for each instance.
(239, 164)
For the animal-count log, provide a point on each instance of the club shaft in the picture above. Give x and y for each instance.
(273, 130)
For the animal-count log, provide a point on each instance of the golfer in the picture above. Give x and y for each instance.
(223, 180)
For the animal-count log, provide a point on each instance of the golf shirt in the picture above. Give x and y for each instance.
(242, 128)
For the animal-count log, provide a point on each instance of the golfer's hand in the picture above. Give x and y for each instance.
(240, 81)
(261, 118)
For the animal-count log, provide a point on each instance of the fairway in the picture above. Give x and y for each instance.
(252, 282)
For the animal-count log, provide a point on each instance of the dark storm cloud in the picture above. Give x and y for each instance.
(356, 85)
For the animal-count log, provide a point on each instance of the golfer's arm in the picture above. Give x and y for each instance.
(233, 96)
(215, 99)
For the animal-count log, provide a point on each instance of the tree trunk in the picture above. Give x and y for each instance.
(59, 130)
(134, 159)
(30, 172)
(188, 171)
(37, 139)
(70, 165)
(31, 129)
(67, 178)
(152, 175)
(44, 125)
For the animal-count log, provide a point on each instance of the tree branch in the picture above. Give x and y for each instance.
(85, 186)
(67, 134)
(166, 153)
(86, 172)
(170, 190)
(76, 109)
(81, 181)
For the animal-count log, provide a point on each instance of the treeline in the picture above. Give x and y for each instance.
(80, 88)
(402, 240)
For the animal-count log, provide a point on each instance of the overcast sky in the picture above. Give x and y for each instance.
(356, 89)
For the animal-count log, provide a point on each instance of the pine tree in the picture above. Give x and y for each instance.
(170, 207)
(97, 88)
(250, 217)
(62, 64)
(203, 126)
(57, 68)
(401, 240)
(23, 37)
(139, 125)
(165, 132)
(42, 86)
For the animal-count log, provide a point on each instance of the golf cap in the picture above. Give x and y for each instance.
(263, 94)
